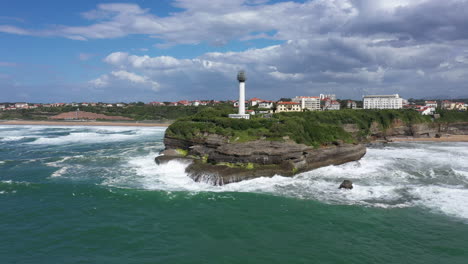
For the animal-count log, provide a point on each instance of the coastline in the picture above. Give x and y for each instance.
(448, 138)
(81, 123)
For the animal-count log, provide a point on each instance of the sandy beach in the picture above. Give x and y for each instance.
(80, 123)
(447, 138)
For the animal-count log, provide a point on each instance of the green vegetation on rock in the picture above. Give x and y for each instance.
(310, 128)
(182, 152)
(452, 116)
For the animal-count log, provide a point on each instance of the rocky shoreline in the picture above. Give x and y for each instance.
(216, 160)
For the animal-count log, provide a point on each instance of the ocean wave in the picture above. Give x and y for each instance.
(99, 136)
(392, 177)
(13, 138)
(59, 135)
(426, 175)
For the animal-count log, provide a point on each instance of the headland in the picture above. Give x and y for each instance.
(223, 150)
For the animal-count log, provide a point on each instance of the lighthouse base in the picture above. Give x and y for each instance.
(243, 116)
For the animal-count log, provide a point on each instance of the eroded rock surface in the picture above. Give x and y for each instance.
(220, 162)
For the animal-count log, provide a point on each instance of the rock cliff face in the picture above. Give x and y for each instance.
(217, 161)
(423, 130)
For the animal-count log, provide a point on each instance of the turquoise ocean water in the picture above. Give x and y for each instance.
(95, 195)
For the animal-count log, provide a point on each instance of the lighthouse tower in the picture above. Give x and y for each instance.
(241, 78)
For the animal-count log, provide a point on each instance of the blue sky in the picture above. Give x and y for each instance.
(165, 50)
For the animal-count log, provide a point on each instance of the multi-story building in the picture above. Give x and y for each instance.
(266, 104)
(393, 101)
(447, 105)
(431, 103)
(21, 106)
(334, 105)
(331, 104)
(311, 103)
(288, 107)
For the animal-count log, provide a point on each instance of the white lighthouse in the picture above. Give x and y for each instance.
(241, 78)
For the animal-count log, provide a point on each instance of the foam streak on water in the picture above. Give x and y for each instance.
(428, 175)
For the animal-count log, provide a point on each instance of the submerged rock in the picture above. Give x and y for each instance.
(346, 184)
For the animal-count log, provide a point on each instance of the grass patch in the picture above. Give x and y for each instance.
(182, 152)
(248, 166)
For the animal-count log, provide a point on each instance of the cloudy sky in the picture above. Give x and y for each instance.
(54, 50)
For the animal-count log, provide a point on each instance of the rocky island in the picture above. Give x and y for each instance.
(222, 150)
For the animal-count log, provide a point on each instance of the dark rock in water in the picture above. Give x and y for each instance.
(218, 161)
(346, 184)
(171, 153)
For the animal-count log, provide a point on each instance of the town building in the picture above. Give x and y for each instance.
(156, 103)
(459, 106)
(250, 112)
(21, 106)
(311, 103)
(288, 107)
(184, 103)
(334, 105)
(351, 104)
(431, 103)
(427, 110)
(255, 101)
(265, 104)
(393, 101)
(447, 105)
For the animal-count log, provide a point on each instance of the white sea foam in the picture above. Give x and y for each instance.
(59, 162)
(400, 175)
(15, 182)
(13, 138)
(429, 175)
(98, 135)
(59, 172)
(47, 135)
(447, 199)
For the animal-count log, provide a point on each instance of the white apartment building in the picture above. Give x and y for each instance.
(393, 101)
(311, 103)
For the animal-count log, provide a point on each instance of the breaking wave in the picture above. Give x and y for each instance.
(429, 175)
